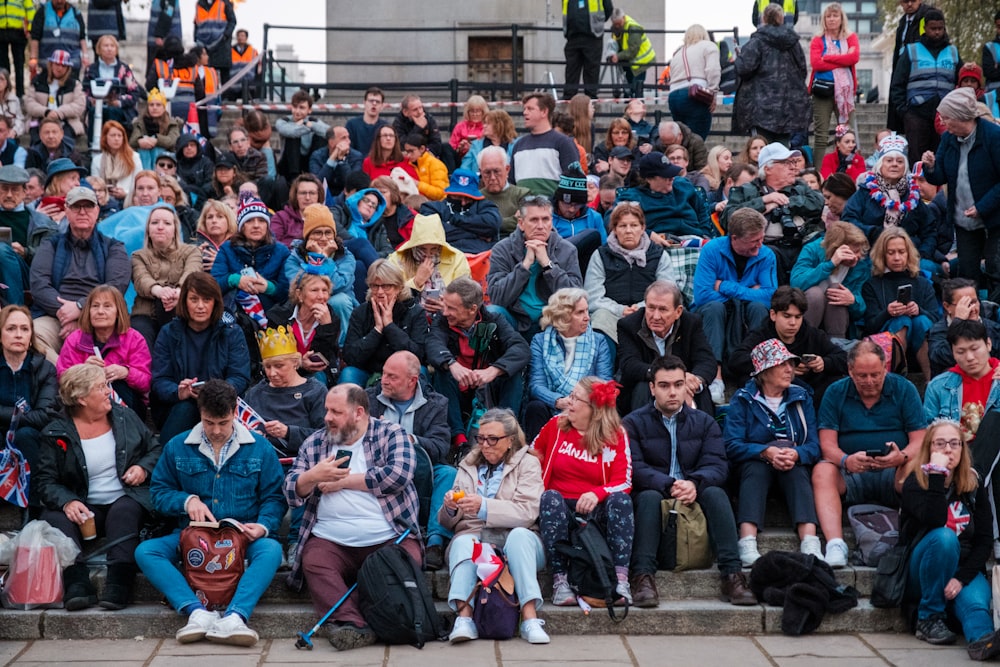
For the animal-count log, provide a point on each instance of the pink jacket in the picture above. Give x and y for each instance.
(129, 350)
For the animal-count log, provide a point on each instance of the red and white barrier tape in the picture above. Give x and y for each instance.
(265, 106)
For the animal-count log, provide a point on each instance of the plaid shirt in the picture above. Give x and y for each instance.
(684, 260)
(392, 463)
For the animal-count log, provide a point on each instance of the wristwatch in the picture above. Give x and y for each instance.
(79, 304)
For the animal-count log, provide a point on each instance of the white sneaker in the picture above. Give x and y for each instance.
(836, 552)
(562, 595)
(232, 630)
(464, 630)
(748, 550)
(531, 631)
(810, 545)
(718, 391)
(199, 623)
(624, 591)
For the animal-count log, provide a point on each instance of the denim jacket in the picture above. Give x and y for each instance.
(943, 398)
(247, 487)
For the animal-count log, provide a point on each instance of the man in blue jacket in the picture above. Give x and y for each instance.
(217, 470)
(733, 285)
(968, 161)
(677, 452)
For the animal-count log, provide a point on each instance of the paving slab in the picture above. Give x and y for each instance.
(199, 661)
(701, 651)
(809, 661)
(171, 647)
(283, 652)
(83, 663)
(609, 649)
(927, 657)
(817, 646)
(10, 649)
(899, 640)
(468, 654)
(90, 650)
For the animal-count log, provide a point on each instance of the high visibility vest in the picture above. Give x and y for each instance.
(595, 8)
(787, 5)
(991, 102)
(61, 32)
(645, 55)
(16, 14)
(164, 69)
(930, 77)
(210, 24)
(241, 60)
(187, 76)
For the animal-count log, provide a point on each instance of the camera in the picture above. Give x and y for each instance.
(791, 236)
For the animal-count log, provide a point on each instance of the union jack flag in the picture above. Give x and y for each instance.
(15, 472)
(958, 517)
(248, 416)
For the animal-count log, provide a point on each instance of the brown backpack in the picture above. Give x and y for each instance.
(212, 559)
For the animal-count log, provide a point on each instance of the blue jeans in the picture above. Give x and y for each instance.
(726, 322)
(525, 557)
(158, 559)
(343, 304)
(916, 329)
(353, 375)
(693, 114)
(932, 564)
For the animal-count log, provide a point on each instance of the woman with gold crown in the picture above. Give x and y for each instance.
(155, 131)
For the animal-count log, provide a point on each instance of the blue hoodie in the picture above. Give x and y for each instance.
(354, 227)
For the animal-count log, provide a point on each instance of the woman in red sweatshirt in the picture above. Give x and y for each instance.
(587, 471)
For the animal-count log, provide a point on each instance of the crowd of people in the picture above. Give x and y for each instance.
(489, 337)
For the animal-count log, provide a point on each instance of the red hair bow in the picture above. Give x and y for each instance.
(604, 394)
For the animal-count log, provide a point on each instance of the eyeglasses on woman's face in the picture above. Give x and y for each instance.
(941, 445)
(489, 440)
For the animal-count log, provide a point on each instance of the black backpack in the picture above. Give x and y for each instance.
(395, 601)
(590, 567)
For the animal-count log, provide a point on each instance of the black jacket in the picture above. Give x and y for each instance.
(506, 349)
(637, 351)
(40, 374)
(939, 350)
(880, 291)
(430, 421)
(809, 340)
(368, 349)
(62, 475)
(701, 453)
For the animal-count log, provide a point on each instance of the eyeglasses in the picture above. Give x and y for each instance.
(375, 287)
(492, 172)
(323, 232)
(576, 398)
(946, 444)
(82, 206)
(490, 440)
(166, 165)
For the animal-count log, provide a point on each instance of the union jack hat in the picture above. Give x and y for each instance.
(465, 184)
(60, 57)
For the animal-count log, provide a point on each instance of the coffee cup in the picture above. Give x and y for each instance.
(88, 529)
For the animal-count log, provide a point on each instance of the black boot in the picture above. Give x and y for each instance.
(118, 587)
(79, 593)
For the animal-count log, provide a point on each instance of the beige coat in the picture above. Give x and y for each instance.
(150, 268)
(515, 505)
(72, 110)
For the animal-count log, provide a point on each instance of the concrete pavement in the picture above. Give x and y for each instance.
(848, 650)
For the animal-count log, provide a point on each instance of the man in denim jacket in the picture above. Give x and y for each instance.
(217, 470)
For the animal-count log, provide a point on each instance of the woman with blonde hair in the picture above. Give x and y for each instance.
(470, 127)
(116, 162)
(751, 149)
(907, 313)
(720, 160)
(313, 324)
(946, 518)
(586, 470)
(120, 103)
(833, 54)
(216, 224)
(694, 63)
(566, 350)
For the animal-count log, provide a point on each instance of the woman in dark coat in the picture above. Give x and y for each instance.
(772, 97)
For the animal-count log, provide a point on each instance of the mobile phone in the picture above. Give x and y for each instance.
(197, 384)
(6, 235)
(316, 357)
(58, 202)
(432, 293)
(809, 358)
(880, 451)
(904, 293)
(341, 453)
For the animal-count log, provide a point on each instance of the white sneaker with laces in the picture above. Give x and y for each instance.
(562, 595)
(623, 590)
(718, 391)
(810, 545)
(464, 630)
(532, 632)
(748, 550)
(199, 623)
(231, 630)
(836, 552)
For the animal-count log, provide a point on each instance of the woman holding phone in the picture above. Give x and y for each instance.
(313, 323)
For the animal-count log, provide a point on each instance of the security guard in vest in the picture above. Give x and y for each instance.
(927, 71)
(214, 23)
(583, 27)
(15, 22)
(791, 8)
(59, 26)
(635, 52)
(243, 55)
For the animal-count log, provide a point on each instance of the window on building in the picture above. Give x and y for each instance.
(869, 8)
(863, 26)
(864, 81)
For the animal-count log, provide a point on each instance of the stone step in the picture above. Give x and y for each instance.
(279, 621)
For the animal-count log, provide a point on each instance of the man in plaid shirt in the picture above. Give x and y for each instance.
(356, 480)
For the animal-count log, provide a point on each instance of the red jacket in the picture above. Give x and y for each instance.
(572, 471)
(832, 160)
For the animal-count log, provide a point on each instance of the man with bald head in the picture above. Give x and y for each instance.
(401, 398)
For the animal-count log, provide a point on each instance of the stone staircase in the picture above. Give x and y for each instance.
(689, 605)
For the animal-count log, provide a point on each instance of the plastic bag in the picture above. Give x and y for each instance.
(34, 580)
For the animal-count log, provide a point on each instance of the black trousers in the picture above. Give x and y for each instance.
(13, 41)
(122, 517)
(583, 56)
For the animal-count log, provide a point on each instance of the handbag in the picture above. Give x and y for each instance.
(822, 88)
(695, 91)
(889, 582)
(684, 543)
(496, 609)
(212, 558)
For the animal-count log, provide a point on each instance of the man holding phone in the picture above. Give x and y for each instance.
(870, 424)
(355, 478)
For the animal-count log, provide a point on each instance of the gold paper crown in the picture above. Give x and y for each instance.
(276, 342)
(155, 94)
